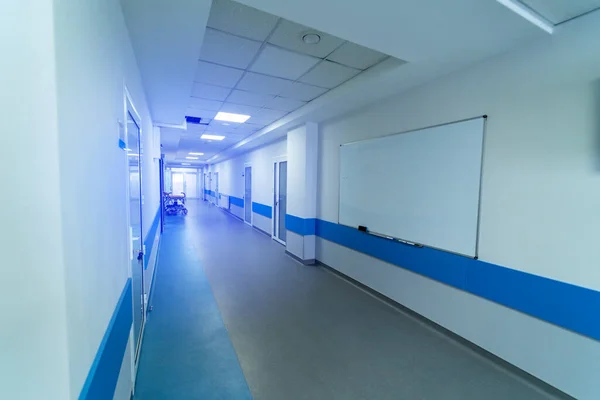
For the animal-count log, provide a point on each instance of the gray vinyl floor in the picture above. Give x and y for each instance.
(300, 332)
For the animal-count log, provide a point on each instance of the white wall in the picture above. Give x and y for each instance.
(33, 343)
(541, 187)
(231, 179)
(94, 60)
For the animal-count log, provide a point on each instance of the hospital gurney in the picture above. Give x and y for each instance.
(175, 204)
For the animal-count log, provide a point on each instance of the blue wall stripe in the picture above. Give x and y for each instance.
(236, 201)
(122, 144)
(301, 226)
(102, 378)
(262, 209)
(149, 240)
(569, 306)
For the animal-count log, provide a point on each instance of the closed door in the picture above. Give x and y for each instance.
(279, 200)
(135, 229)
(190, 185)
(177, 183)
(216, 188)
(282, 200)
(248, 195)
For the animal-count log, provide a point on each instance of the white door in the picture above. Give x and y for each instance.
(190, 185)
(134, 164)
(279, 199)
(248, 194)
(177, 183)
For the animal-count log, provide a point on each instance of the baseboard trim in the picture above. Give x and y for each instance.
(261, 231)
(230, 213)
(301, 261)
(498, 362)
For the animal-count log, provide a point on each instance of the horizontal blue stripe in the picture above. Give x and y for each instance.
(122, 144)
(301, 226)
(209, 192)
(149, 240)
(262, 209)
(104, 372)
(569, 306)
(236, 201)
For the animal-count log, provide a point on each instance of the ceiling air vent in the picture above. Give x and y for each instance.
(193, 120)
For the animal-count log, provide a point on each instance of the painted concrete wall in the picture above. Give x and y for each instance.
(231, 179)
(541, 185)
(94, 59)
(33, 339)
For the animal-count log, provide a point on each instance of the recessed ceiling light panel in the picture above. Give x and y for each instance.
(212, 137)
(191, 158)
(230, 117)
(196, 154)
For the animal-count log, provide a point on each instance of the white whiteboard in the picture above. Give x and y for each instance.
(421, 186)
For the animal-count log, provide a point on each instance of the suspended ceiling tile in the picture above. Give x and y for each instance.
(232, 51)
(218, 128)
(284, 104)
(282, 63)
(204, 114)
(289, 35)
(219, 75)
(203, 104)
(240, 109)
(248, 98)
(356, 56)
(248, 128)
(329, 74)
(267, 116)
(265, 84)
(210, 92)
(302, 91)
(242, 20)
(557, 11)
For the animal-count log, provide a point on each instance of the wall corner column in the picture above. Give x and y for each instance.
(303, 153)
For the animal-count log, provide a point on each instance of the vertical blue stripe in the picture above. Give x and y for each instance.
(102, 378)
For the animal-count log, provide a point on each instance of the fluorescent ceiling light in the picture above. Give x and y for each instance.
(185, 163)
(196, 154)
(133, 155)
(521, 9)
(230, 117)
(191, 158)
(212, 137)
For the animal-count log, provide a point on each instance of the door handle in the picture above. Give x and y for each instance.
(140, 255)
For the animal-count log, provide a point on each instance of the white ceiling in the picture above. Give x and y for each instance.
(559, 11)
(255, 63)
(166, 38)
(436, 37)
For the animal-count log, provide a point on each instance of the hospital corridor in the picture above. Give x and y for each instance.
(300, 200)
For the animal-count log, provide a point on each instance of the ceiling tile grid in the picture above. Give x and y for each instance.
(257, 64)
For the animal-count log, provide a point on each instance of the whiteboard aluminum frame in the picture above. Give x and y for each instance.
(407, 241)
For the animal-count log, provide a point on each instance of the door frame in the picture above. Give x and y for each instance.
(217, 202)
(129, 108)
(251, 223)
(275, 175)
